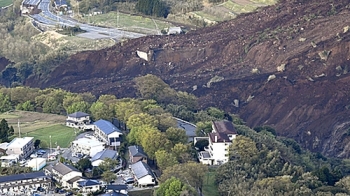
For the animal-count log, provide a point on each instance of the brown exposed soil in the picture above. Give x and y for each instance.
(307, 39)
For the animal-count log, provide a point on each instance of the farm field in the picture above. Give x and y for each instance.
(41, 126)
(4, 3)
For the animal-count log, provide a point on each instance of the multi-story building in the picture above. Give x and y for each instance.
(79, 120)
(64, 174)
(106, 132)
(136, 154)
(24, 183)
(23, 147)
(221, 137)
(87, 146)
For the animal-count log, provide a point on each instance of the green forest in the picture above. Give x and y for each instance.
(261, 162)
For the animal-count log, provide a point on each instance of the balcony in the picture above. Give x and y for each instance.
(207, 148)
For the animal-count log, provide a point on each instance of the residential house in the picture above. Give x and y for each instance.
(3, 148)
(73, 183)
(88, 186)
(136, 154)
(143, 174)
(9, 160)
(23, 147)
(101, 156)
(62, 173)
(87, 146)
(217, 152)
(37, 163)
(174, 30)
(79, 120)
(119, 189)
(106, 132)
(24, 182)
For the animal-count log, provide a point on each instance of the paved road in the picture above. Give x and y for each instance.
(47, 17)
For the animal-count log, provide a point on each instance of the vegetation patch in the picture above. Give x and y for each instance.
(4, 3)
(60, 136)
(209, 187)
(147, 192)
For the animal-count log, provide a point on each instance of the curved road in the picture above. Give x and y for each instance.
(47, 17)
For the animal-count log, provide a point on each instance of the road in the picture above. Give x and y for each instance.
(47, 17)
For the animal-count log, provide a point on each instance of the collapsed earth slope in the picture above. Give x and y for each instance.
(285, 66)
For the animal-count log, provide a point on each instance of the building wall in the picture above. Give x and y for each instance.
(90, 189)
(146, 180)
(24, 151)
(220, 152)
(69, 176)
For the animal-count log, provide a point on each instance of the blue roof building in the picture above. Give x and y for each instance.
(106, 132)
(143, 174)
(100, 156)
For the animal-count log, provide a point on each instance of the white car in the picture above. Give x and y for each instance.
(34, 155)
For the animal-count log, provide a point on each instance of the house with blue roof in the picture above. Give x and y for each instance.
(143, 174)
(106, 132)
(102, 155)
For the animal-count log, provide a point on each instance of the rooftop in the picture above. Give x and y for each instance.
(19, 142)
(106, 126)
(10, 157)
(74, 179)
(224, 126)
(4, 145)
(88, 182)
(78, 115)
(187, 126)
(137, 151)
(87, 142)
(25, 176)
(141, 169)
(104, 154)
(64, 169)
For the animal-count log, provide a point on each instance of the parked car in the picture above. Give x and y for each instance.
(41, 189)
(41, 151)
(61, 191)
(34, 155)
(69, 193)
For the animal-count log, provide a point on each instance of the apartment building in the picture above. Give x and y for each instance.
(106, 132)
(87, 146)
(23, 147)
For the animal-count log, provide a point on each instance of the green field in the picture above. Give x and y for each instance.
(4, 3)
(209, 187)
(60, 135)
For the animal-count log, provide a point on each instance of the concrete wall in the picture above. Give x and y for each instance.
(142, 55)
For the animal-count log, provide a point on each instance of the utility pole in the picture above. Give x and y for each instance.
(19, 130)
(50, 145)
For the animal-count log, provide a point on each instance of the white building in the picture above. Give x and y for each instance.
(106, 132)
(88, 186)
(101, 156)
(64, 174)
(23, 147)
(87, 146)
(143, 174)
(221, 137)
(79, 120)
(37, 163)
(9, 160)
(14, 184)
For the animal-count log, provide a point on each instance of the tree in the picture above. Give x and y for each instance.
(141, 119)
(201, 144)
(108, 176)
(166, 121)
(108, 164)
(51, 105)
(84, 164)
(5, 103)
(100, 110)
(174, 187)
(216, 113)
(244, 148)
(68, 101)
(205, 127)
(26, 106)
(108, 99)
(165, 159)
(181, 152)
(81, 106)
(4, 131)
(191, 173)
(36, 143)
(126, 108)
(176, 135)
(153, 141)
(137, 133)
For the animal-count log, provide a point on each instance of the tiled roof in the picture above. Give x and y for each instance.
(104, 154)
(64, 169)
(141, 169)
(137, 151)
(224, 126)
(117, 187)
(72, 180)
(78, 115)
(220, 137)
(106, 126)
(25, 176)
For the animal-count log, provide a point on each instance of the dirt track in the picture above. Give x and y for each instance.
(303, 43)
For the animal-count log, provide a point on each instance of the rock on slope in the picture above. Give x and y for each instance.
(302, 46)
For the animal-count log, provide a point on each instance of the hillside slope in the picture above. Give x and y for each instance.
(301, 45)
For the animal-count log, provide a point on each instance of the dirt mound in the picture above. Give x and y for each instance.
(286, 65)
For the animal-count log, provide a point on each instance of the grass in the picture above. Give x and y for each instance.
(209, 187)
(59, 133)
(41, 126)
(147, 192)
(4, 3)
(237, 8)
